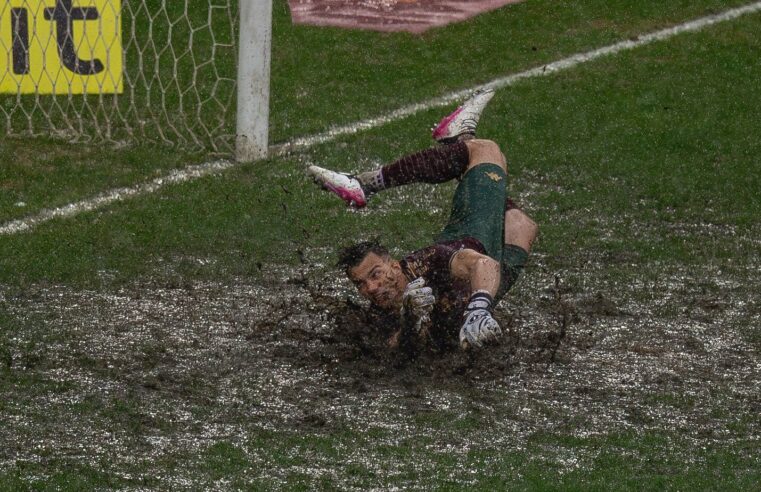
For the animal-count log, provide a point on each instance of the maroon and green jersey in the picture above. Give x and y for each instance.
(452, 294)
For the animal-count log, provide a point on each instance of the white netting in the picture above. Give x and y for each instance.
(175, 65)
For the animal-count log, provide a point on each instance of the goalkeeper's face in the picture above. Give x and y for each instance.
(380, 280)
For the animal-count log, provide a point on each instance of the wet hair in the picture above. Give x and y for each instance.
(351, 256)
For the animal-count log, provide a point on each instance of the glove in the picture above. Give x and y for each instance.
(479, 326)
(417, 301)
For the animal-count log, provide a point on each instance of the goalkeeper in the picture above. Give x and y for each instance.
(450, 288)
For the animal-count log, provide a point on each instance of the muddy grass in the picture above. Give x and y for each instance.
(143, 385)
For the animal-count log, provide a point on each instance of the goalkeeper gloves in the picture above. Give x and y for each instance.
(417, 302)
(479, 326)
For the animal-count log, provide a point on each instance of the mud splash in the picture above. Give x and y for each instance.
(158, 371)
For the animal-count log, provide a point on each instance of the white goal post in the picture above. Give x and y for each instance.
(254, 50)
(192, 74)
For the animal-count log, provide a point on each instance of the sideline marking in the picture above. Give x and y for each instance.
(202, 170)
(119, 194)
(499, 83)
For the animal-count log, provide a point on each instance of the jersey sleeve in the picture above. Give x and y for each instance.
(432, 262)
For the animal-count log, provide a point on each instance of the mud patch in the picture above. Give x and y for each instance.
(145, 375)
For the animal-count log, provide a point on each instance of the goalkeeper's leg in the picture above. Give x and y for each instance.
(435, 165)
(520, 233)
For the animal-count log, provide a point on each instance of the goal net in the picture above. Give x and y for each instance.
(120, 71)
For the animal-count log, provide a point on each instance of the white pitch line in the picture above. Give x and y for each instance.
(554, 67)
(199, 171)
(119, 194)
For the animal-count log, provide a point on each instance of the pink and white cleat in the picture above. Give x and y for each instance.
(463, 120)
(346, 186)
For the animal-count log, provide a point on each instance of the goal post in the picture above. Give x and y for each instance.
(190, 74)
(253, 79)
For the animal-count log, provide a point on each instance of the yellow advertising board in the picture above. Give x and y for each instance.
(60, 46)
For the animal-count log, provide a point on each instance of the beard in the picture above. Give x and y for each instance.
(388, 297)
(383, 300)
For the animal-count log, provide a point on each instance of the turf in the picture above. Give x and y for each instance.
(637, 153)
(640, 168)
(315, 89)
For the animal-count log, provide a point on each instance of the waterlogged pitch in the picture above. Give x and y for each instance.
(279, 383)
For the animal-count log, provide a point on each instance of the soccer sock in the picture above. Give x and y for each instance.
(371, 181)
(434, 165)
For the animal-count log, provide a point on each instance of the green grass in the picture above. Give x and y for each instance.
(314, 89)
(610, 466)
(42, 173)
(390, 66)
(629, 150)
(639, 164)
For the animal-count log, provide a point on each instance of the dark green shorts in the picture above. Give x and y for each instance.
(478, 211)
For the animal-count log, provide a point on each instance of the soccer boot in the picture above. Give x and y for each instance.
(464, 120)
(346, 186)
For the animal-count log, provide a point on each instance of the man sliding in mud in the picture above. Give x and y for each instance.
(451, 287)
